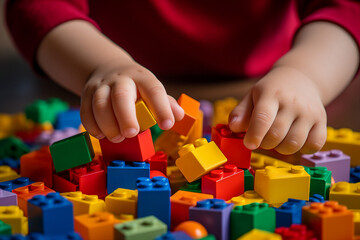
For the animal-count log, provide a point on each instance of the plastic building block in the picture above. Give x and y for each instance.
(5, 229)
(208, 237)
(156, 131)
(156, 173)
(158, 162)
(176, 178)
(193, 229)
(7, 198)
(48, 138)
(122, 174)
(140, 229)
(122, 201)
(61, 183)
(247, 198)
(247, 217)
(248, 180)
(136, 149)
(276, 185)
(94, 141)
(192, 187)
(13, 163)
(14, 216)
(12, 147)
(122, 218)
(347, 194)
(316, 198)
(295, 232)
(99, 225)
(41, 111)
(355, 174)
(356, 222)
(72, 152)
(7, 174)
(197, 160)
(16, 183)
(180, 235)
(197, 129)
(320, 181)
(208, 111)
(181, 202)
(260, 161)
(191, 109)
(257, 234)
(170, 142)
(325, 220)
(46, 212)
(84, 204)
(222, 110)
(289, 213)
(70, 118)
(232, 145)
(150, 189)
(144, 116)
(224, 183)
(335, 161)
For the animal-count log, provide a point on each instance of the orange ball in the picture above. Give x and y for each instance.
(193, 229)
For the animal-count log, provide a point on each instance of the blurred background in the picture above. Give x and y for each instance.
(19, 86)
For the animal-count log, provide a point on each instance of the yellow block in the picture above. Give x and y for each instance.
(94, 141)
(199, 158)
(247, 198)
(84, 204)
(222, 110)
(356, 213)
(260, 161)
(176, 178)
(145, 118)
(257, 234)
(7, 174)
(347, 194)
(122, 201)
(170, 142)
(276, 185)
(14, 216)
(124, 218)
(197, 130)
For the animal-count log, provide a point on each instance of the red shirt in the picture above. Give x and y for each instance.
(186, 37)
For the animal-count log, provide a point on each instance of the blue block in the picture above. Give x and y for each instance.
(123, 174)
(39, 236)
(154, 198)
(355, 174)
(70, 118)
(13, 163)
(316, 198)
(51, 215)
(289, 213)
(179, 235)
(16, 183)
(214, 215)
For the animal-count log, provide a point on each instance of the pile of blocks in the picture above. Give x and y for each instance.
(194, 181)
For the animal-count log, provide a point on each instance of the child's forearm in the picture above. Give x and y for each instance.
(326, 54)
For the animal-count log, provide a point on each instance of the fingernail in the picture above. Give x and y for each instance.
(130, 132)
(167, 124)
(251, 146)
(234, 119)
(100, 136)
(117, 139)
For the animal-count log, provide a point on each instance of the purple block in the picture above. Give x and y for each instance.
(7, 198)
(214, 215)
(47, 138)
(208, 111)
(335, 161)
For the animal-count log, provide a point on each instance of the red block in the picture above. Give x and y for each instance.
(136, 149)
(61, 182)
(158, 162)
(224, 183)
(295, 232)
(156, 173)
(232, 145)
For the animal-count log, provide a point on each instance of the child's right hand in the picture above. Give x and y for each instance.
(109, 96)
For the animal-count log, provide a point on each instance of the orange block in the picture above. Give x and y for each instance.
(197, 130)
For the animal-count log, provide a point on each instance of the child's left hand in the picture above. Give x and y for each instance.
(283, 111)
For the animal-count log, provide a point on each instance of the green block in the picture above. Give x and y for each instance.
(248, 180)
(255, 215)
(155, 132)
(41, 111)
(208, 237)
(72, 152)
(5, 229)
(192, 187)
(145, 228)
(320, 181)
(13, 147)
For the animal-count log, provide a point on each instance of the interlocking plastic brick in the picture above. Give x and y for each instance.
(295, 232)
(144, 116)
(122, 218)
(170, 142)
(192, 187)
(214, 215)
(12, 147)
(61, 183)
(136, 149)
(72, 152)
(156, 131)
(277, 185)
(179, 235)
(260, 161)
(123, 174)
(7, 174)
(247, 217)
(176, 178)
(335, 161)
(5, 229)
(248, 180)
(156, 173)
(197, 160)
(355, 174)
(232, 145)
(257, 234)
(99, 225)
(47, 138)
(140, 229)
(197, 129)
(208, 237)
(7, 198)
(154, 198)
(94, 141)
(316, 198)
(247, 198)
(158, 162)
(16, 183)
(356, 213)
(13, 163)
(41, 111)
(289, 213)
(84, 204)
(320, 181)
(181, 202)
(14, 216)
(46, 212)
(347, 194)
(122, 201)
(70, 118)
(222, 110)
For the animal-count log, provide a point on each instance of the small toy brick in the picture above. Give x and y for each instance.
(61, 183)
(170, 142)
(295, 232)
(122, 218)
(208, 111)
(260, 161)
(232, 145)
(41, 111)
(214, 214)
(179, 235)
(356, 221)
(197, 129)
(16, 183)
(276, 185)
(289, 213)
(194, 229)
(355, 174)
(156, 131)
(191, 109)
(248, 180)
(224, 183)
(46, 212)
(256, 234)
(14, 216)
(72, 152)
(84, 204)
(208, 237)
(181, 202)
(48, 138)
(158, 162)
(8, 198)
(347, 194)
(140, 229)
(136, 149)
(5, 229)
(320, 181)
(154, 198)
(197, 160)
(247, 217)
(7, 174)
(70, 118)
(94, 141)
(99, 225)
(316, 198)
(121, 174)
(144, 115)
(246, 198)
(335, 161)
(192, 187)
(176, 178)
(13, 163)
(156, 173)
(12, 147)
(122, 201)
(222, 110)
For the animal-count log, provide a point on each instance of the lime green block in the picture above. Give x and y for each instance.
(12, 147)
(248, 180)
(145, 228)
(208, 237)
(320, 181)
(155, 132)
(72, 152)
(41, 111)
(192, 187)
(5, 229)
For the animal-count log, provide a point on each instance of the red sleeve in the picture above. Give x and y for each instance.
(30, 20)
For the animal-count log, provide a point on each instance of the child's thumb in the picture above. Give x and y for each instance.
(240, 116)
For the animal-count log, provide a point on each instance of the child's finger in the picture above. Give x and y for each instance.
(176, 109)
(316, 138)
(240, 116)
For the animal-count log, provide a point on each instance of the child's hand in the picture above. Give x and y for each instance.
(108, 100)
(283, 111)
